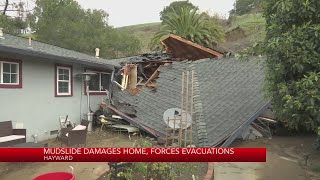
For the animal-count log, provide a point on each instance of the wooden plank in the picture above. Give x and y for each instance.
(174, 128)
(173, 137)
(187, 108)
(182, 96)
(191, 108)
(154, 75)
(124, 82)
(140, 82)
(267, 119)
(133, 77)
(152, 85)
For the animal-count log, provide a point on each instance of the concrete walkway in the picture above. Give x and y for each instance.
(238, 171)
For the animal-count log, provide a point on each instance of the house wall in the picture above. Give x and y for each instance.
(35, 104)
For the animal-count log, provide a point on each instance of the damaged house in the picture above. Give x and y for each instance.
(224, 99)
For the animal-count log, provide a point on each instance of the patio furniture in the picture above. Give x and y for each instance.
(109, 121)
(79, 127)
(85, 123)
(127, 128)
(103, 121)
(65, 126)
(62, 133)
(106, 121)
(10, 136)
(65, 122)
(75, 136)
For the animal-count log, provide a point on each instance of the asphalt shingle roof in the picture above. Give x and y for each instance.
(20, 45)
(227, 92)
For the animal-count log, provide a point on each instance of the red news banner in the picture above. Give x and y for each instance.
(112, 154)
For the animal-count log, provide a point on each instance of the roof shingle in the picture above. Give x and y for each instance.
(19, 45)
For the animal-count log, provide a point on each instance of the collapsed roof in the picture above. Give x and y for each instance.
(143, 58)
(227, 98)
(177, 49)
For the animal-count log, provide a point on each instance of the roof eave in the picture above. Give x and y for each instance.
(246, 124)
(18, 51)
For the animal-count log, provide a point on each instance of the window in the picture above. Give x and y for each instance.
(63, 81)
(10, 74)
(99, 82)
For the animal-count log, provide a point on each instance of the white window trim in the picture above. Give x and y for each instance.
(1, 73)
(69, 81)
(98, 72)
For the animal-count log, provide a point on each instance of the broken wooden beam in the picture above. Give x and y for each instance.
(133, 76)
(154, 75)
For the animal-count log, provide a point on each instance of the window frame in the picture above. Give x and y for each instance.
(56, 81)
(19, 74)
(100, 72)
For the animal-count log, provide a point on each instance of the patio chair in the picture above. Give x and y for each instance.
(62, 133)
(65, 126)
(126, 128)
(75, 137)
(104, 122)
(72, 136)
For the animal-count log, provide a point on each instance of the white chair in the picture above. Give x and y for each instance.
(64, 121)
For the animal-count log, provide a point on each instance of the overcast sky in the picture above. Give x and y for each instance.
(130, 12)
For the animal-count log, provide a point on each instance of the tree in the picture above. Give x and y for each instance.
(175, 6)
(292, 47)
(242, 7)
(14, 24)
(64, 23)
(188, 23)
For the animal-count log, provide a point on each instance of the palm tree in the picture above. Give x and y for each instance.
(189, 24)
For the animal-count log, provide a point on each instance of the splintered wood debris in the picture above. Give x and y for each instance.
(141, 74)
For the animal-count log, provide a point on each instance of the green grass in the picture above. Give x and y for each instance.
(144, 32)
(139, 27)
(316, 168)
(254, 29)
(252, 24)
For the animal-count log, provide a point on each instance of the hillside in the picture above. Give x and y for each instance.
(144, 32)
(241, 32)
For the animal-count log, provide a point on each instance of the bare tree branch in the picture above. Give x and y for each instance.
(5, 7)
(15, 10)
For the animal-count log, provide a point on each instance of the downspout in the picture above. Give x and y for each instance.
(81, 89)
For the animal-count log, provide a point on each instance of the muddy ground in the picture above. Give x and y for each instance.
(284, 161)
